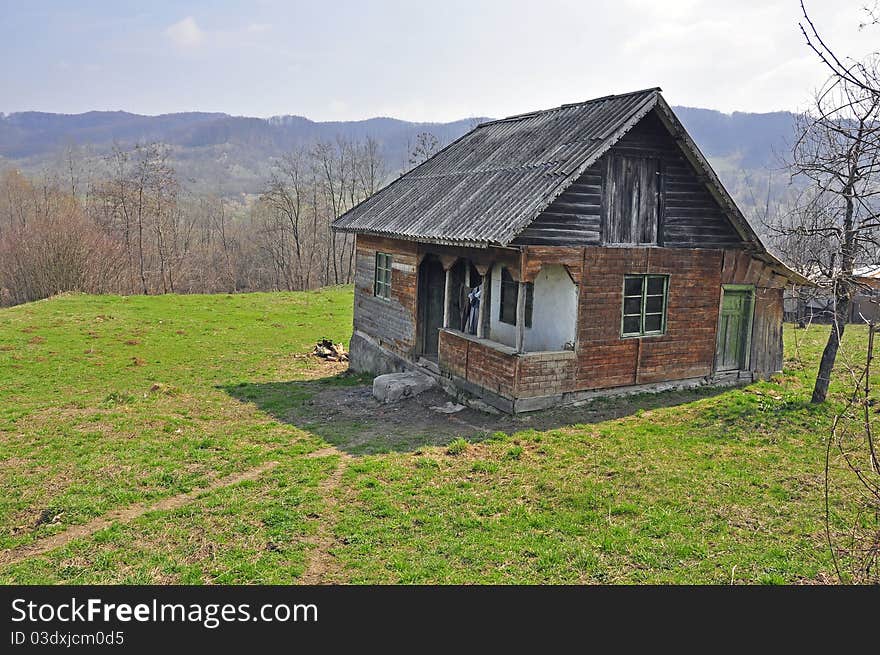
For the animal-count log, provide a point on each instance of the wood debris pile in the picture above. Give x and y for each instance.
(332, 352)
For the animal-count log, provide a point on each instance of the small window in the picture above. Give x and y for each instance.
(509, 295)
(644, 305)
(382, 283)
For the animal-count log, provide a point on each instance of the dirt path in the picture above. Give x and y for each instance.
(321, 562)
(15, 555)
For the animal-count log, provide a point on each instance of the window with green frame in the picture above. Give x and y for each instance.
(382, 280)
(644, 305)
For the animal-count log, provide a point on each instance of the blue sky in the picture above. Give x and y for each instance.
(437, 61)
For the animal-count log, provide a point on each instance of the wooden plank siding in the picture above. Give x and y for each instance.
(602, 359)
(391, 322)
(686, 350)
(574, 218)
(738, 267)
(632, 199)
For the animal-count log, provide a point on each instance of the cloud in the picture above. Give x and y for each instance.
(185, 33)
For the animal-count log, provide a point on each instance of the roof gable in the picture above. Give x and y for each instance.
(487, 186)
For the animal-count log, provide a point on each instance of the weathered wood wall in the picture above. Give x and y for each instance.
(602, 358)
(686, 350)
(492, 368)
(766, 354)
(574, 218)
(392, 322)
(689, 216)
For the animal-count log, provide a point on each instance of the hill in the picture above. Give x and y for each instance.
(192, 439)
(232, 154)
(212, 151)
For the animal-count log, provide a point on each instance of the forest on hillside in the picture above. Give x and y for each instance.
(109, 202)
(135, 228)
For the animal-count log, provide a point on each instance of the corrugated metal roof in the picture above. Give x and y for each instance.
(872, 272)
(487, 186)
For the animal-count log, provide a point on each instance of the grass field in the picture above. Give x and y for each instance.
(111, 403)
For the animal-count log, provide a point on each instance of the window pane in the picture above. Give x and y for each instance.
(509, 290)
(655, 285)
(632, 306)
(632, 286)
(654, 304)
(653, 322)
(631, 324)
(530, 301)
(508, 310)
(382, 275)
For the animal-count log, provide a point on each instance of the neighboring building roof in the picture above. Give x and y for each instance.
(487, 186)
(869, 272)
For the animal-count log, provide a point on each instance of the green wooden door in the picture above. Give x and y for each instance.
(733, 330)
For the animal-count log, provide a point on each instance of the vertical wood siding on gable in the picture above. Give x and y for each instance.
(688, 216)
(632, 199)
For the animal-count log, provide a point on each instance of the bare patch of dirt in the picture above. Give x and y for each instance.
(41, 546)
(321, 563)
(351, 419)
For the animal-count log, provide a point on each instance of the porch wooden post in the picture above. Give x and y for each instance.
(447, 293)
(484, 296)
(520, 315)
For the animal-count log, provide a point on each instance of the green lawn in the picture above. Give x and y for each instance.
(106, 402)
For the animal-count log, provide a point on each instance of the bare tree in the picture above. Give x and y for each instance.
(426, 146)
(55, 248)
(855, 551)
(835, 226)
(163, 239)
(285, 196)
(861, 74)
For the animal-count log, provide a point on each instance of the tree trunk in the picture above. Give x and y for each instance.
(829, 355)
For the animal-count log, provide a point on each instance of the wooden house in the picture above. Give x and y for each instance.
(545, 257)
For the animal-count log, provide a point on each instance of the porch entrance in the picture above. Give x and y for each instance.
(431, 299)
(734, 329)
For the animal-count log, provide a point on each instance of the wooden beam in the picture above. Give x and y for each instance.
(448, 261)
(483, 305)
(447, 294)
(520, 316)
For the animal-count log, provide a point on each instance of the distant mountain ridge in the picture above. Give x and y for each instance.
(232, 154)
(28, 134)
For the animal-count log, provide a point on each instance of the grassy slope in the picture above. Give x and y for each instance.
(108, 401)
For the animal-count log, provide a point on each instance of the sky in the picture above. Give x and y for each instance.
(440, 61)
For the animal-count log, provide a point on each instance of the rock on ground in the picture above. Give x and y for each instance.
(391, 387)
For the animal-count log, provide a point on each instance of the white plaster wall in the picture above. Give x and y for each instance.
(554, 312)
